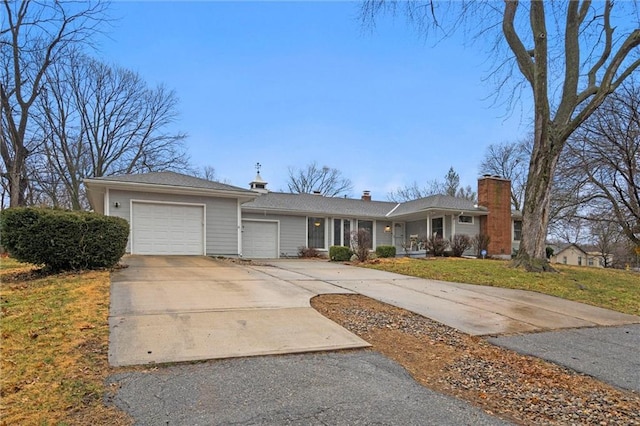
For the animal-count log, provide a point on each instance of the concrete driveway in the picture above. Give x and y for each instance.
(178, 308)
(473, 309)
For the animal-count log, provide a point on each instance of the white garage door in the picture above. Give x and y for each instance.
(259, 239)
(167, 229)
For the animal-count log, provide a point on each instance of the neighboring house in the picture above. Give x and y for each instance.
(572, 254)
(171, 213)
(516, 230)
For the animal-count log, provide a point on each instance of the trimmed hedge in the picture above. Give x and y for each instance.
(340, 253)
(63, 240)
(386, 251)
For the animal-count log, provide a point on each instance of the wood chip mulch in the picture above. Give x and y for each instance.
(522, 389)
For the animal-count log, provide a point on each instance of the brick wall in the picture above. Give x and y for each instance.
(494, 193)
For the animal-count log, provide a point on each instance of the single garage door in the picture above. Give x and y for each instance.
(167, 229)
(259, 239)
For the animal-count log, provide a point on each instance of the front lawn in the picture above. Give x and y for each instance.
(607, 288)
(54, 347)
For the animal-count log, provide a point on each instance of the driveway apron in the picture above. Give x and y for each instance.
(594, 341)
(179, 308)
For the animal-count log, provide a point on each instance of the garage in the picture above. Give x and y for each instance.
(165, 228)
(259, 239)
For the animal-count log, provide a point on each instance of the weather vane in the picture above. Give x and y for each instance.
(258, 165)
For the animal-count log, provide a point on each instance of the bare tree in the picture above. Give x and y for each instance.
(414, 191)
(361, 243)
(510, 161)
(449, 186)
(602, 161)
(98, 120)
(208, 173)
(605, 236)
(570, 54)
(329, 182)
(33, 36)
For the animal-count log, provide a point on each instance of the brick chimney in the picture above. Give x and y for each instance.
(494, 193)
(366, 195)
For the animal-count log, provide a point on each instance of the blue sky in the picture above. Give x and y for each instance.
(288, 83)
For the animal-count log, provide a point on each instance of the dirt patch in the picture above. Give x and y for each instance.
(519, 388)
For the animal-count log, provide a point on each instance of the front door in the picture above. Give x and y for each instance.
(398, 237)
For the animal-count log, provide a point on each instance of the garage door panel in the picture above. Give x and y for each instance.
(259, 239)
(168, 229)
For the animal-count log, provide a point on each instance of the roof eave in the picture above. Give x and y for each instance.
(280, 210)
(243, 196)
(476, 212)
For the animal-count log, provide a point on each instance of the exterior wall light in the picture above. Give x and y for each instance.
(387, 228)
(116, 204)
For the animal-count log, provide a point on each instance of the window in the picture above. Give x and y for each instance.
(315, 231)
(341, 232)
(437, 227)
(367, 225)
(517, 230)
(579, 260)
(564, 260)
(590, 261)
(465, 219)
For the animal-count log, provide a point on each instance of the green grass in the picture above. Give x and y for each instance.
(607, 288)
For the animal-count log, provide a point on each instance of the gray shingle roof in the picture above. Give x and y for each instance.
(173, 179)
(309, 203)
(444, 202)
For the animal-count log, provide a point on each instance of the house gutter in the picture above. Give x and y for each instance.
(182, 190)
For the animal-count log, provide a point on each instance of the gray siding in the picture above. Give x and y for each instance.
(293, 231)
(418, 227)
(221, 216)
(447, 227)
(468, 228)
(383, 238)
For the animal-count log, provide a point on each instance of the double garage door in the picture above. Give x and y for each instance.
(167, 229)
(259, 239)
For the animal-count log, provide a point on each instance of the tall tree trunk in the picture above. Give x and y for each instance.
(17, 180)
(537, 202)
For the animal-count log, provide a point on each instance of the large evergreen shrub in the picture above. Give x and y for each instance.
(63, 240)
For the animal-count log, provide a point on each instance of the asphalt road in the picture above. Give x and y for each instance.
(346, 388)
(610, 354)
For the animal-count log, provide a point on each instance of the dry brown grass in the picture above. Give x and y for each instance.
(606, 288)
(54, 347)
(522, 389)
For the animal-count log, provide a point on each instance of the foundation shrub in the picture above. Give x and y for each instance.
(340, 253)
(308, 252)
(386, 251)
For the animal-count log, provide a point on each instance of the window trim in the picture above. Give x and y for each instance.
(345, 242)
(513, 227)
(444, 225)
(466, 223)
(324, 242)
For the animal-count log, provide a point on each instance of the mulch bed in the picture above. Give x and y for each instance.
(515, 387)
